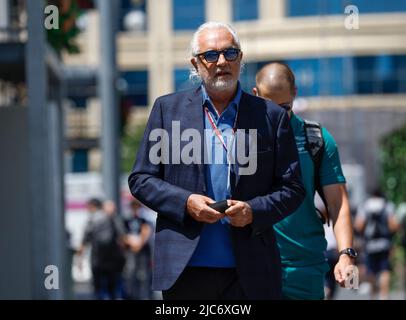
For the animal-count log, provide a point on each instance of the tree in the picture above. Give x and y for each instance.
(62, 38)
(393, 160)
(130, 143)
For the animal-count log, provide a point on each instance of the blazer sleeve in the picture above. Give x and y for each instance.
(146, 180)
(288, 191)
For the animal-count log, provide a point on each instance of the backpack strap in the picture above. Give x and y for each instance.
(315, 147)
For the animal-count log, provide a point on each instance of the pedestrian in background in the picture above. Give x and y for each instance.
(139, 259)
(376, 221)
(105, 233)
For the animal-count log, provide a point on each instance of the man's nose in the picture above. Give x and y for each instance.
(222, 60)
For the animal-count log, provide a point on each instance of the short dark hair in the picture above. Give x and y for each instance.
(95, 202)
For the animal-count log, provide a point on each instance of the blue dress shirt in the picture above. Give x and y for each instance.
(215, 247)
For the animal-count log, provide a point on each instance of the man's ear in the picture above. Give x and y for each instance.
(194, 63)
(295, 92)
(255, 91)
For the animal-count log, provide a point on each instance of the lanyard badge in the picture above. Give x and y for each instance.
(221, 139)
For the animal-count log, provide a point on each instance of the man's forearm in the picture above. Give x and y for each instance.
(160, 196)
(343, 230)
(270, 209)
(339, 210)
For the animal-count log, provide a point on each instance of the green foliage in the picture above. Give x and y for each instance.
(393, 160)
(63, 38)
(130, 143)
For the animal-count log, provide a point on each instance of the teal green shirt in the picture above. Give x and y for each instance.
(300, 236)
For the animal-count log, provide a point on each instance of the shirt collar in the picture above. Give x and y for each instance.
(234, 103)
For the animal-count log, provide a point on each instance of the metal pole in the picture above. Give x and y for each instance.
(36, 76)
(4, 19)
(110, 142)
(4, 14)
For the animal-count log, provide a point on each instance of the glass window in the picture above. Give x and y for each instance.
(314, 7)
(380, 74)
(336, 76)
(377, 6)
(79, 102)
(364, 67)
(322, 7)
(80, 160)
(188, 15)
(245, 10)
(399, 72)
(313, 76)
(135, 87)
(351, 75)
(323, 76)
(306, 73)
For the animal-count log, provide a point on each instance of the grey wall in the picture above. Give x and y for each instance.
(30, 241)
(15, 224)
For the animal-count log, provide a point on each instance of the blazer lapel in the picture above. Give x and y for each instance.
(244, 121)
(192, 118)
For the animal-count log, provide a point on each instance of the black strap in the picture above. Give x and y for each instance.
(315, 146)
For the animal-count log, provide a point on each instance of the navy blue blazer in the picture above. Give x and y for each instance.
(274, 191)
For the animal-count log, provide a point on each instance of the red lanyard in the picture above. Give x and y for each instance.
(217, 131)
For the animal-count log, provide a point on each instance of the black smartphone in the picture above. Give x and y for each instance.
(220, 206)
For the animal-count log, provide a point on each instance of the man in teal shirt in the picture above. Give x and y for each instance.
(300, 236)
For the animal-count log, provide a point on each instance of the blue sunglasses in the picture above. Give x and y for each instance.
(211, 56)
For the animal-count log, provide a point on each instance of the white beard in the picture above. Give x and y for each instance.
(221, 84)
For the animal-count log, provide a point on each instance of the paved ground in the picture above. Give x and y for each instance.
(83, 291)
(363, 294)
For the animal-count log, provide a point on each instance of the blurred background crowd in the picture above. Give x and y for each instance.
(74, 101)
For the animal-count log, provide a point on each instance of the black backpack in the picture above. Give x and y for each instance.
(106, 239)
(315, 147)
(377, 225)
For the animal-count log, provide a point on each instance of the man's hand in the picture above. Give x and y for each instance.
(197, 207)
(343, 269)
(240, 213)
(134, 242)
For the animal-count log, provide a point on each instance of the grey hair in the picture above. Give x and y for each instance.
(194, 43)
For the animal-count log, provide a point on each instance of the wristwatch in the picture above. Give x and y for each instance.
(350, 252)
